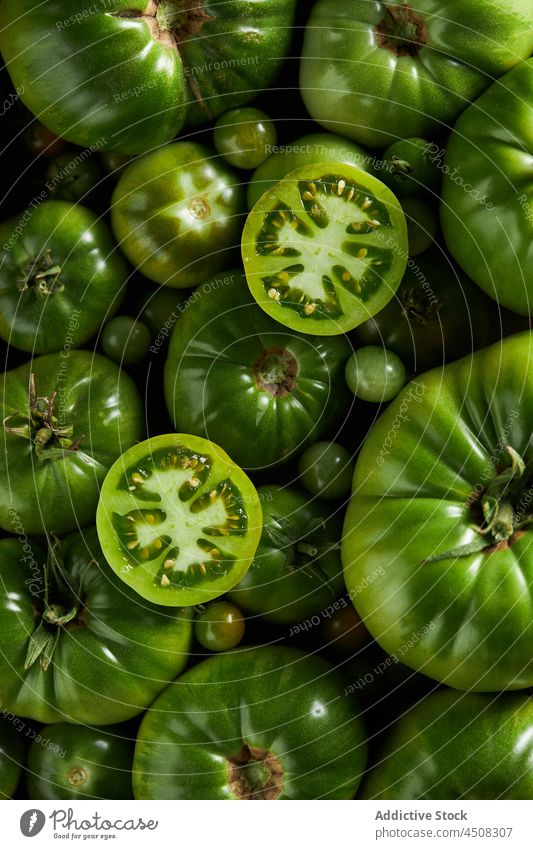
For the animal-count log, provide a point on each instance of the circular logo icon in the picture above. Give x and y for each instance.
(32, 822)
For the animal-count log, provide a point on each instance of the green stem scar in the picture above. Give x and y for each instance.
(255, 773)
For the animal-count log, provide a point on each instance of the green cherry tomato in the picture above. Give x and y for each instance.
(60, 277)
(39, 140)
(254, 723)
(487, 190)
(296, 570)
(325, 249)
(220, 626)
(344, 630)
(376, 71)
(177, 213)
(178, 521)
(66, 418)
(457, 746)
(159, 308)
(437, 315)
(75, 762)
(306, 150)
(409, 168)
(11, 755)
(422, 225)
(237, 377)
(437, 537)
(140, 68)
(244, 137)
(79, 646)
(375, 374)
(326, 469)
(72, 176)
(114, 163)
(125, 340)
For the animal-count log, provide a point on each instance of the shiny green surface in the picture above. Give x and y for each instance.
(211, 387)
(100, 75)
(464, 620)
(457, 746)
(85, 284)
(326, 470)
(487, 192)
(409, 169)
(243, 137)
(297, 570)
(354, 85)
(177, 213)
(57, 492)
(276, 699)
(219, 627)
(109, 663)
(124, 340)
(375, 374)
(78, 762)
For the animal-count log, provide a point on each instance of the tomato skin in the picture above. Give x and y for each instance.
(422, 475)
(487, 191)
(170, 208)
(148, 80)
(101, 404)
(211, 370)
(77, 762)
(356, 53)
(220, 626)
(273, 699)
(457, 746)
(243, 137)
(326, 470)
(436, 316)
(85, 282)
(409, 170)
(108, 665)
(375, 374)
(286, 583)
(11, 757)
(73, 178)
(125, 341)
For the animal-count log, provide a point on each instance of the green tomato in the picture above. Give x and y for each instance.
(75, 762)
(307, 150)
(326, 469)
(176, 213)
(79, 646)
(378, 71)
(297, 570)
(237, 377)
(123, 75)
(457, 746)
(72, 177)
(220, 626)
(178, 521)
(243, 137)
(61, 276)
(487, 192)
(409, 169)
(11, 755)
(422, 225)
(159, 308)
(66, 418)
(325, 249)
(437, 315)
(437, 536)
(344, 630)
(375, 374)
(125, 340)
(255, 723)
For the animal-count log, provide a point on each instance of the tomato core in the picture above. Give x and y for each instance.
(255, 774)
(401, 31)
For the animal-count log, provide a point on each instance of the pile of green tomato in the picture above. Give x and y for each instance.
(266, 409)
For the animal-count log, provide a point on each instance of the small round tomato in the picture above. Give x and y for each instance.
(220, 626)
(39, 140)
(345, 630)
(325, 249)
(244, 137)
(422, 225)
(159, 307)
(177, 213)
(326, 469)
(178, 520)
(76, 762)
(375, 374)
(125, 340)
(72, 177)
(409, 168)
(254, 723)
